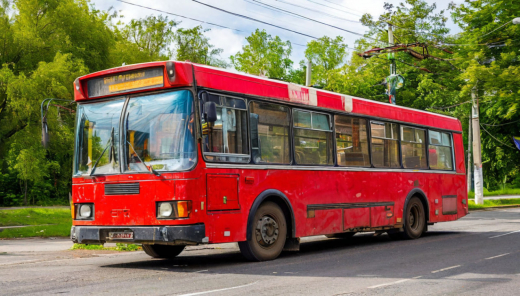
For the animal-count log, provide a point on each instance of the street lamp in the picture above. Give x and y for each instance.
(516, 21)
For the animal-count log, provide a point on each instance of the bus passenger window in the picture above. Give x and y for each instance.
(385, 145)
(269, 133)
(414, 148)
(312, 138)
(440, 151)
(226, 138)
(351, 141)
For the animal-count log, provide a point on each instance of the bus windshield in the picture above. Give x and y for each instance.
(160, 132)
(157, 131)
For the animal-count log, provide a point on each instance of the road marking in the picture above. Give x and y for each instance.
(497, 256)
(218, 290)
(201, 271)
(389, 284)
(505, 234)
(447, 268)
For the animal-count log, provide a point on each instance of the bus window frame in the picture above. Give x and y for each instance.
(331, 126)
(452, 148)
(368, 134)
(248, 140)
(398, 144)
(426, 143)
(291, 148)
(122, 136)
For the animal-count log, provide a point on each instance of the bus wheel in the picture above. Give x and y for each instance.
(415, 219)
(163, 251)
(342, 235)
(269, 232)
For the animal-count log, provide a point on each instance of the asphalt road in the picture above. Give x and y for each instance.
(477, 255)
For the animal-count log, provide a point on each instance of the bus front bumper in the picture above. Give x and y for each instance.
(175, 235)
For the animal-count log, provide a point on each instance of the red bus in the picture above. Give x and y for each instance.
(170, 154)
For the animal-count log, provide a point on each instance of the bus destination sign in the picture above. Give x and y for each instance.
(135, 80)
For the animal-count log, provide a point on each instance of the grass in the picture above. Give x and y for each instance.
(505, 191)
(493, 203)
(118, 247)
(60, 222)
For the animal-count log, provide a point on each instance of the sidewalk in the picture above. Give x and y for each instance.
(501, 197)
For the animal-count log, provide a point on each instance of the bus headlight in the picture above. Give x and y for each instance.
(84, 211)
(173, 209)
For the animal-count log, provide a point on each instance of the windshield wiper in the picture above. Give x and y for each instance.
(142, 161)
(109, 144)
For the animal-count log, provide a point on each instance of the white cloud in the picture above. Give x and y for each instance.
(226, 39)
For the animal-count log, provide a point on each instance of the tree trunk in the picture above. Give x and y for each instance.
(25, 194)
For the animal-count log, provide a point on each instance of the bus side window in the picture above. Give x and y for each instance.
(226, 138)
(269, 133)
(312, 138)
(385, 145)
(351, 141)
(440, 151)
(413, 146)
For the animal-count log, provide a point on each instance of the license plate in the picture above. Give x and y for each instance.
(120, 235)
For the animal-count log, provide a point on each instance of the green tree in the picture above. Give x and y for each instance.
(492, 67)
(264, 55)
(327, 55)
(143, 40)
(192, 45)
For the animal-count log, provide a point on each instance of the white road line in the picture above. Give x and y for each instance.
(218, 290)
(389, 284)
(505, 234)
(497, 256)
(200, 271)
(447, 268)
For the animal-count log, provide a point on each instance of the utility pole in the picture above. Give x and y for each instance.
(468, 168)
(308, 75)
(391, 79)
(477, 156)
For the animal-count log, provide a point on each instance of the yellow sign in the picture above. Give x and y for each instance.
(158, 80)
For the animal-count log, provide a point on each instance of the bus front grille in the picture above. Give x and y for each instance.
(121, 188)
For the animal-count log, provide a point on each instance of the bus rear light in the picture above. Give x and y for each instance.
(173, 209)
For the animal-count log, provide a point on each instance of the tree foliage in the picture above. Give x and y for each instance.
(192, 45)
(264, 55)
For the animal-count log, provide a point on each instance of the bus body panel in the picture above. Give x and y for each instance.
(324, 199)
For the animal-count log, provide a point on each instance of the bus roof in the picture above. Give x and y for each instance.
(239, 83)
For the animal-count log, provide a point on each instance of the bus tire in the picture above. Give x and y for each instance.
(269, 232)
(163, 251)
(415, 216)
(342, 235)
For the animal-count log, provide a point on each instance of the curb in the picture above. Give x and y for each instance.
(495, 208)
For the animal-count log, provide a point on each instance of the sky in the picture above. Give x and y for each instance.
(344, 14)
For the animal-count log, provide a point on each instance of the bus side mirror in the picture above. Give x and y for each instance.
(45, 133)
(210, 112)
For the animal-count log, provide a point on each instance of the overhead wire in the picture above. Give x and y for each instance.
(494, 30)
(166, 12)
(486, 124)
(279, 27)
(343, 6)
(333, 8)
(495, 138)
(318, 11)
(182, 16)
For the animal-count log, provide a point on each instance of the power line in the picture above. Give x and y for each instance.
(149, 8)
(292, 13)
(279, 27)
(333, 8)
(166, 12)
(343, 6)
(495, 138)
(493, 30)
(500, 124)
(255, 20)
(317, 11)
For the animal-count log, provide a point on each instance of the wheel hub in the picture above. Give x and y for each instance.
(267, 231)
